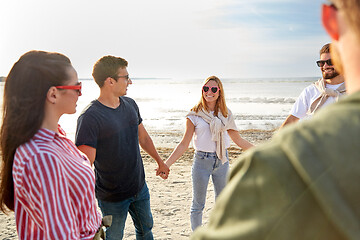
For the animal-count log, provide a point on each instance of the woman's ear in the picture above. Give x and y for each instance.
(51, 95)
(330, 21)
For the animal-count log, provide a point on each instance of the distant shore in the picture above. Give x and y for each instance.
(171, 198)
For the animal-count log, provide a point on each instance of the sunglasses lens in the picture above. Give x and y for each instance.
(320, 63)
(205, 88)
(214, 89)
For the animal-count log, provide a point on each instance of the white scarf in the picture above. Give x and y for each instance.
(325, 94)
(218, 125)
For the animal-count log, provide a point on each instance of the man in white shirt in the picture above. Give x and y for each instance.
(326, 90)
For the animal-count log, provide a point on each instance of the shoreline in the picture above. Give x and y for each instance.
(171, 198)
(169, 139)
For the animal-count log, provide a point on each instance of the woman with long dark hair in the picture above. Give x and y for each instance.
(211, 123)
(45, 180)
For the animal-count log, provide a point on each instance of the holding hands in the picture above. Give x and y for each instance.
(162, 170)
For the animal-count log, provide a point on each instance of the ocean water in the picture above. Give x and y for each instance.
(261, 103)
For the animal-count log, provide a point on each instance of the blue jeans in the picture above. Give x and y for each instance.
(205, 164)
(139, 208)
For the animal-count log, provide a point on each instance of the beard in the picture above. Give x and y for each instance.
(330, 75)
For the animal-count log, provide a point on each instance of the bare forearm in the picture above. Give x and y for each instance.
(148, 146)
(290, 119)
(238, 140)
(176, 154)
(183, 145)
(245, 145)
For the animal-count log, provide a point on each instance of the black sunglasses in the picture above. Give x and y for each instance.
(214, 89)
(321, 63)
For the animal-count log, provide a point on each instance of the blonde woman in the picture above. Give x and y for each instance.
(211, 122)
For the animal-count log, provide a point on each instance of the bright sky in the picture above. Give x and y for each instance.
(170, 38)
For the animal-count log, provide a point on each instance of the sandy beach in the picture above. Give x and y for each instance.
(171, 198)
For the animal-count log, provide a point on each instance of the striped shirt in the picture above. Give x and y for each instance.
(54, 189)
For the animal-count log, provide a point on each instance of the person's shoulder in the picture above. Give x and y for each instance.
(311, 87)
(309, 91)
(229, 111)
(327, 123)
(93, 107)
(128, 100)
(35, 150)
(340, 112)
(193, 117)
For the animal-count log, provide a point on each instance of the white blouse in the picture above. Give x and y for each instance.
(202, 137)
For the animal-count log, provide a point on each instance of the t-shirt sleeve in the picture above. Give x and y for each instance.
(231, 122)
(87, 130)
(138, 112)
(302, 104)
(192, 119)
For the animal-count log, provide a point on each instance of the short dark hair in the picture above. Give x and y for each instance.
(325, 49)
(107, 66)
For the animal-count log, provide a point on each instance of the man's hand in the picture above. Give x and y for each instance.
(162, 170)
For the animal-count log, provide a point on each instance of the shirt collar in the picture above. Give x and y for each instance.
(47, 135)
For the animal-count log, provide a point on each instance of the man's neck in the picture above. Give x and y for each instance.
(109, 100)
(336, 80)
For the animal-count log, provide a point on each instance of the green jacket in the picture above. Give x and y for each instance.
(303, 184)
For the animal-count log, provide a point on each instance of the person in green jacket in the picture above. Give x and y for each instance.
(304, 183)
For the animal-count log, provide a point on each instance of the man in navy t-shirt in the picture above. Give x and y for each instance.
(109, 132)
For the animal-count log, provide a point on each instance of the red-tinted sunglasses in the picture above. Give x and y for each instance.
(214, 89)
(76, 87)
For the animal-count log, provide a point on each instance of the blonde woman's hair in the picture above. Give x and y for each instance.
(220, 102)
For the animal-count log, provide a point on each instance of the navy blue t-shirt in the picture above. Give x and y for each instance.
(119, 169)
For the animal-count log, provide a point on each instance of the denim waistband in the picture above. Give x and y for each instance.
(207, 154)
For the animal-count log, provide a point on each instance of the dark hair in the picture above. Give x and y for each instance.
(107, 66)
(325, 49)
(25, 91)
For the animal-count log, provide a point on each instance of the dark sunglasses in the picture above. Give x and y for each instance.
(214, 89)
(321, 63)
(76, 87)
